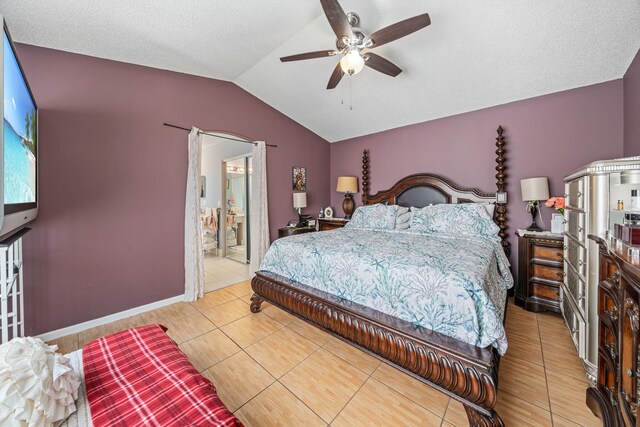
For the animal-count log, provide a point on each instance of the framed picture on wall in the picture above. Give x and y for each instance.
(299, 178)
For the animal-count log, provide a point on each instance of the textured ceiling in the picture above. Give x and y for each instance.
(474, 55)
(211, 38)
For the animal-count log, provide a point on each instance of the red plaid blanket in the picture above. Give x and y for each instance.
(139, 377)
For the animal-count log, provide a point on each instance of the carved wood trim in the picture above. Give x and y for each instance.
(455, 193)
(633, 313)
(470, 377)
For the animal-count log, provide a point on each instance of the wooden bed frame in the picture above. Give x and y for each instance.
(463, 371)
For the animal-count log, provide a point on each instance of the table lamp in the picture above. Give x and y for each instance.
(299, 202)
(347, 185)
(534, 189)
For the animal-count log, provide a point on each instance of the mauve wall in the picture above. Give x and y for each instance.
(109, 234)
(546, 136)
(632, 108)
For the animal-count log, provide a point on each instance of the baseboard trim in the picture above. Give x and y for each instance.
(74, 329)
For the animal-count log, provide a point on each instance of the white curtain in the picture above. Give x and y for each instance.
(193, 249)
(259, 207)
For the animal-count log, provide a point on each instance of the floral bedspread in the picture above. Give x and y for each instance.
(455, 286)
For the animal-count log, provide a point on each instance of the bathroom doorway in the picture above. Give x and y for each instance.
(222, 270)
(237, 193)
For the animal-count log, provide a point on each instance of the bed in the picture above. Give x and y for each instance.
(459, 357)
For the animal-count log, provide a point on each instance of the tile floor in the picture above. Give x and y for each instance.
(220, 272)
(273, 369)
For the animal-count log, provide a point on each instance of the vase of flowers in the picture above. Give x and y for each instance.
(557, 203)
(557, 220)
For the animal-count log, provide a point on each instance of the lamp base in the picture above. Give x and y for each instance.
(348, 205)
(534, 227)
(533, 209)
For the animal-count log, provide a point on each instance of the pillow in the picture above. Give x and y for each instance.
(490, 207)
(375, 217)
(467, 219)
(37, 385)
(403, 218)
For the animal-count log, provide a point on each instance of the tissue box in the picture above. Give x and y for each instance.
(557, 223)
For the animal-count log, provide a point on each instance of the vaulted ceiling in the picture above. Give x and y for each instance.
(475, 54)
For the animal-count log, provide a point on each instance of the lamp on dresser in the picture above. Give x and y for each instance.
(533, 190)
(347, 185)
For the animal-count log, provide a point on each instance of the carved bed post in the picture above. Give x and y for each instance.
(501, 183)
(365, 176)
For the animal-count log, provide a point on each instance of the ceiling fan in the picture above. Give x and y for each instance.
(352, 42)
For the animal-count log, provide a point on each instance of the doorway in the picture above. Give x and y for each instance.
(222, 270)
(237, 193)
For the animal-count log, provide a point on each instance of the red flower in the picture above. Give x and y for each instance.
(556, 203)
(550, 202)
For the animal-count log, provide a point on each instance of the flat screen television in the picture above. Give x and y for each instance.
(19, 142)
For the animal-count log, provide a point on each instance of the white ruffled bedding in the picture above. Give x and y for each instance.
(82, 416)
(38, 387)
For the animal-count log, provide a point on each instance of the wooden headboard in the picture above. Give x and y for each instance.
(425, 189)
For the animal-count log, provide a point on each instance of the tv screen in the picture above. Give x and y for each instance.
(20, 131)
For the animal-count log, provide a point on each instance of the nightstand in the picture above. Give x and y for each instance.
(288, 231)
(540, 272)
(325, 224)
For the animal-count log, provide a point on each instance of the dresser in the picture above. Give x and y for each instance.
(616, 395)
(325, 224)
(591, 194)
(540, 272)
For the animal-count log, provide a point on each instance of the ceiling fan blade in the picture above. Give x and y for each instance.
(337, 18)
(399, 29)
(308, 55)
(382, 65)
(336, 76)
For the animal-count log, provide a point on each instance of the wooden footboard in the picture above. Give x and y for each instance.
(465, 372)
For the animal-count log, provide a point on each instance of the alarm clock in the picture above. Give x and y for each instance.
(328, 213)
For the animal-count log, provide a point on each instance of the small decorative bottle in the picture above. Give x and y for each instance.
(321, 214)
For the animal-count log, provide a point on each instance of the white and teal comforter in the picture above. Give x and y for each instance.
(455, 286)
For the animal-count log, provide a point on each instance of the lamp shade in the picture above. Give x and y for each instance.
(347, 184)
(352, 63)
(535, 188)
(299, 200)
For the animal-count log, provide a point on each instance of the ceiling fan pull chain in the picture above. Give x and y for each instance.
(350, 94)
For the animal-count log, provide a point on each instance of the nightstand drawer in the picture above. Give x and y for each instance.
(554, 274)
(547, 291)
(546, 253)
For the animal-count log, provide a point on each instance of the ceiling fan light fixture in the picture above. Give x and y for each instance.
(352, 63)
